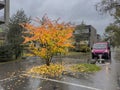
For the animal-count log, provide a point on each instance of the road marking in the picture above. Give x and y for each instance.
(9, 78)
(63, 82)
(53, 80)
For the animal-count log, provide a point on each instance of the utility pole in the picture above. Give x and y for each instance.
(6, 12)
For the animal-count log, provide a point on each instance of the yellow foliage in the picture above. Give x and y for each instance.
(28, 54)
(53, 37)
(54, 70)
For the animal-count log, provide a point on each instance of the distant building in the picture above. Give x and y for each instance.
(86, 34)
(118, 2)
(4, 18)
(2, 37)
(98, 38)
(2, 5)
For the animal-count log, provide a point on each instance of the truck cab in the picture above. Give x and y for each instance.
(101, 49)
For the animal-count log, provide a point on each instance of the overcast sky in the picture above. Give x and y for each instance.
(74, 11)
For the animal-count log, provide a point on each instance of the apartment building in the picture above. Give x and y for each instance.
(4, 18)
(4, 11)
(85, 35)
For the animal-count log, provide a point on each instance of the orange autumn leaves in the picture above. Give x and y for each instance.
(50, 37)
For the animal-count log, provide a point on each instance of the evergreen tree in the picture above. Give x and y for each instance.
(15, 33)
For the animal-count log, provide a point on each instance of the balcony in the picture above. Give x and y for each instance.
(2, 4)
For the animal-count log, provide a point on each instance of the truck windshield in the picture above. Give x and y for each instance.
(100, 46)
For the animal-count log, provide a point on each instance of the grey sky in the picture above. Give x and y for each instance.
(74, 11)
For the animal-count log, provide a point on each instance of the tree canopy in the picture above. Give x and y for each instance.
(112, 32)
(48, 38)
(15, 33)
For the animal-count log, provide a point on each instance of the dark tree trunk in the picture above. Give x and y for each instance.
(47, 62)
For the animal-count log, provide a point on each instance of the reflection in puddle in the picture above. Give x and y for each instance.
(34, 83)
(107, 68)
(117, 56)
(1, 88)
(38, 84)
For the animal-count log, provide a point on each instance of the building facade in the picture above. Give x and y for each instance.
(4, 15)
(4, 19)
(98, 38)
(85, 35)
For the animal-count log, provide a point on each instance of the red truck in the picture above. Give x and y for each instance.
(101, 49)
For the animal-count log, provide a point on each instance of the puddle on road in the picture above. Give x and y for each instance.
(117, 56)
(29, 83)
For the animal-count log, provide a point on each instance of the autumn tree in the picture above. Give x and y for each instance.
(48, 38)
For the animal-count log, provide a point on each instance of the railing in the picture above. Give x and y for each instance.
(2, 3)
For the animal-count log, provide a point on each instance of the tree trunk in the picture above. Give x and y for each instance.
(47, 62)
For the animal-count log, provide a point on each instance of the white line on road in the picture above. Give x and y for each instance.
(10, 78)
(53, 80)
(63, 82)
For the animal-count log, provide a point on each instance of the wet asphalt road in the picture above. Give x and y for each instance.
(12, 77)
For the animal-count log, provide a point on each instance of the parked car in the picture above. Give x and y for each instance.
(101, 49)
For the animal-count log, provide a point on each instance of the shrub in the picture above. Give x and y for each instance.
(6, 52)
(84, 48)
(85, 68)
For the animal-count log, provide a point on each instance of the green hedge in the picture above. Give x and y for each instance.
(84, 48)
(85, 68)
(6, 52)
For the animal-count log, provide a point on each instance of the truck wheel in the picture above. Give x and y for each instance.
(92, 56)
